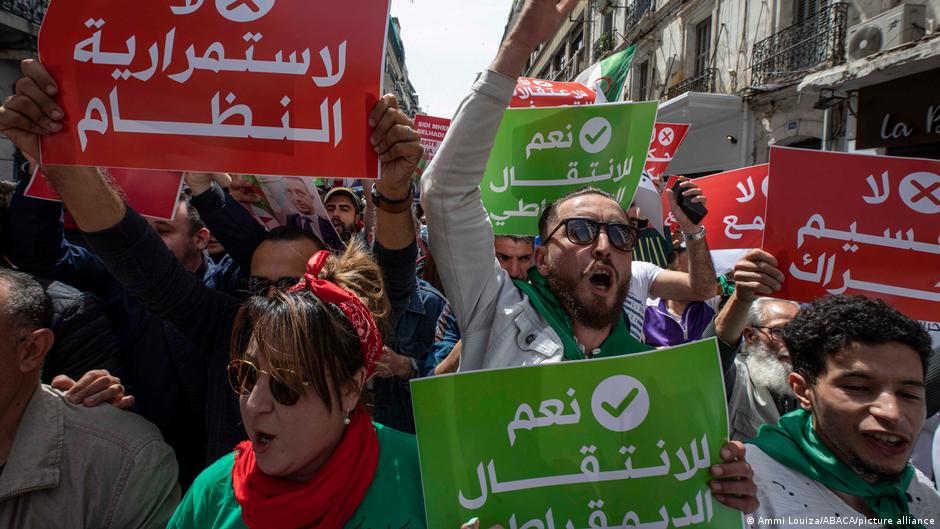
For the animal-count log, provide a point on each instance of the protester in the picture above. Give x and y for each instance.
(63, 465)
(313, 459)
(571, 308)
(515, 254)
(149, 272)
(649, 281)
(676, 321)
(345, 209)
(161, 367)
(425, 330)
(859, 379)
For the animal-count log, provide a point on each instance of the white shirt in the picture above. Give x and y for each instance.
(642, 276)
(789, 499)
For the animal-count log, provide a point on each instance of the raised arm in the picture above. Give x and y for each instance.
(699, 283)
(230, 223)
(459, 231)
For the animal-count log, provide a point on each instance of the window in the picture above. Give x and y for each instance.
(703, 44)
(608, 22)
(807, 9)
(643, 81)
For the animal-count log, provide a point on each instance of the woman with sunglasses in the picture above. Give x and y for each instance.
(314, 459)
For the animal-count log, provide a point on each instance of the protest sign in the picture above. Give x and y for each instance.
(532, 92)
(615, 440)
(236, 86)
(432, 131)
(151, 193)
(737, 201)
(542, 153)
(667, 137)
(856, 224)
(296, 202)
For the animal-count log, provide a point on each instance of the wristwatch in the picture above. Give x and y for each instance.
(695, 236)
(393, 206)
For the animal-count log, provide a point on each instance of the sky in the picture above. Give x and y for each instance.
(447, 42)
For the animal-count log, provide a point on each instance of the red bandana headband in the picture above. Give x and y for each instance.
(355, 310)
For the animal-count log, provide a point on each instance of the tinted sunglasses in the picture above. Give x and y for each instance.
(243, 375)
(259, 286)
(585, 231)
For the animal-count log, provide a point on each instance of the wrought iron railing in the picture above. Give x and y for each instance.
(704, 82)
(636, 12)
(31, 10)
(811, 42)
(603, 44)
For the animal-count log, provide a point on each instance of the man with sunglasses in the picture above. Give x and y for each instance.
(571, 306)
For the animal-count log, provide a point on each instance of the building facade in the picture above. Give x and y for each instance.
(749, 74)
(396, 73)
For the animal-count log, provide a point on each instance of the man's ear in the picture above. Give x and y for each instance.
(201, 239)
(33, 349)
(749, 335)
(539, 257)
(802, 389)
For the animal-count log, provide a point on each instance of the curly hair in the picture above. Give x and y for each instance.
(308, 337)
(829, 324)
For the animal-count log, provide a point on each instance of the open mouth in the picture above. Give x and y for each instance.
(262, 440)
(601, 279)
(888, 444)
(890, 440)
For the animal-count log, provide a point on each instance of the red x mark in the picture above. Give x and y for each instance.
(665, 136)
(250, 4)
(926, 192)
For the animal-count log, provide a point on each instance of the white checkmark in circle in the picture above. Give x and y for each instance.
(613, 391)
(595, 135)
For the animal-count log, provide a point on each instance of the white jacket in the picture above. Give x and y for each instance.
(498, 325)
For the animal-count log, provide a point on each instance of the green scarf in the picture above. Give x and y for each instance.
(793, 442)
(619, 342)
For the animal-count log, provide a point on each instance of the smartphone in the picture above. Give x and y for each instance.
(695, 211)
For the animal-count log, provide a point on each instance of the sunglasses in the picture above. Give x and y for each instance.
(585, 231)
(259, 286)
(243, 375)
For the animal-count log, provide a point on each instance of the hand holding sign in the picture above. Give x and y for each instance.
(31, 112)
(756, 275)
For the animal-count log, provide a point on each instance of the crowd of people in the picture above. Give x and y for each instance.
(213, 371)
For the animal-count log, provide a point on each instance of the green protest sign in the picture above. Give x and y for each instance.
(603, 443)
(542, 153)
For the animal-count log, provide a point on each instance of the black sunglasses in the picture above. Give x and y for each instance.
(582, 232)
(259, 286)
(243, 375)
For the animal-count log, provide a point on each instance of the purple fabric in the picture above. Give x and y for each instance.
(662, 328)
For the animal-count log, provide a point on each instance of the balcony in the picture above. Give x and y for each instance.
(30, 10)
(636, 12)
(704, 82)
(788, 54)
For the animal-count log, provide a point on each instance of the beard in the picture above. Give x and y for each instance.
(595, 315)
(345, 232)
(767, 370)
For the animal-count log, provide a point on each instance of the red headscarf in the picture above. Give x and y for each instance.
(330, 498)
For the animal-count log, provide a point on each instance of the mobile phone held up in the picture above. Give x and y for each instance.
(695, 211)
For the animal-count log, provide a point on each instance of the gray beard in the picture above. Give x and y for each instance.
(768, 371)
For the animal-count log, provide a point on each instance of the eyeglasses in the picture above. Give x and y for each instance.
(243, 375)
(585, 231)
(775, 333)
(259, 286)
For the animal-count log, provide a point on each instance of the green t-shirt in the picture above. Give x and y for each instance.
(394, 499)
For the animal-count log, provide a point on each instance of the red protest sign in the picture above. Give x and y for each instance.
(432, 131)
(238, 86)
(736, 203)
(663, 146)
(856, 224)
(541, 93)
(150, 193)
